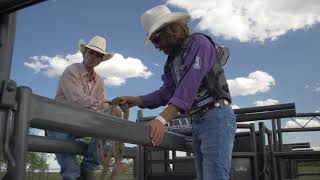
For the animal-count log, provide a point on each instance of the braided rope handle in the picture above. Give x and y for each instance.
(116, 147)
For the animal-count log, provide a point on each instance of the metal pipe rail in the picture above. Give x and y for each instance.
(298, 155)
(48, 145)
(307, 114)
(308, 174)
(300, 129)
(48, 114)
(255, 113)
(9, 6)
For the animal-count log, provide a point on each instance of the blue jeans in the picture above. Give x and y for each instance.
(213, 137)
(70, 170)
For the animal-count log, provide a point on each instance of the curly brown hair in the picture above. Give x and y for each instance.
(175, 33)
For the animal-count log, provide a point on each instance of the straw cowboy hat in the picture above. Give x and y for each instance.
(159, 16)
(97, 43)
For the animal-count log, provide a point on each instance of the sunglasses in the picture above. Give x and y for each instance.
(156, 38)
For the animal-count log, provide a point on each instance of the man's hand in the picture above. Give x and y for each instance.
(126, 102)
(116, 112)
(156, 132)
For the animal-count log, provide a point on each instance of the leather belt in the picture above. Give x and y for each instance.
(197, 115)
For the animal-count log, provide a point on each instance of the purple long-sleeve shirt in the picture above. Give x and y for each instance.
(199, 59)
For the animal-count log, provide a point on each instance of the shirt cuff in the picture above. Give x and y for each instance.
(181, 105)
(147, 101)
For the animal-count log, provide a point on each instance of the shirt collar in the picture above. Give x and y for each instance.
(85, 72)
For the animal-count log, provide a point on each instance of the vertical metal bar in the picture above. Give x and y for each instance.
(20, 144)
(141, 154)
(275, 148)
(7, 34)
(273, 163)
(280, 134)
(280, 148)
(166, 160)
(254, 149)
(174, 157)
(274, 135)
(262, 151)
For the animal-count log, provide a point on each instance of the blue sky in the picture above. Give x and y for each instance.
(274, 47)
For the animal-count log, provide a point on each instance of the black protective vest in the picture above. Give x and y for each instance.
(214, 86)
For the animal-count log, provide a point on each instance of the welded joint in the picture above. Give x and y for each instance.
(8, 93)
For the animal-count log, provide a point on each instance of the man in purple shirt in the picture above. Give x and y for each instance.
(193, 83)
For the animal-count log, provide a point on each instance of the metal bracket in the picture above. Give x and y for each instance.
(8, 95)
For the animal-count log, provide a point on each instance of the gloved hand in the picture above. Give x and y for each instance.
(126, 102)
(106, 108)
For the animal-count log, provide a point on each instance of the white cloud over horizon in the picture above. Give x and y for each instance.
(266, 102)
(256, 82)
(118, 69)
(302, 122)
(251, 20)
(314, 87)
(115, 71)
(234, 106)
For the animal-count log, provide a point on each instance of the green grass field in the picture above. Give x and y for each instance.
(309, 167)
(303, 167)
(56, 176)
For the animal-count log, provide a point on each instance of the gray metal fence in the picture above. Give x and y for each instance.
(265, 156)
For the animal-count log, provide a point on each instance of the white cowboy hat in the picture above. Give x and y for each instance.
(97, 43)
(159, 16)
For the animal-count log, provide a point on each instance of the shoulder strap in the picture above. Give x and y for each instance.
(223, 53)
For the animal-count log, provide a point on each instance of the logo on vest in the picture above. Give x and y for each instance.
(204, 102)
(196, 64)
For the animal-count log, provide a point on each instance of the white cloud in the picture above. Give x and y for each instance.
(251, 20)
(302, 122)
(234, 106)
(257, 81)
(115, 71)
(316, 89)
(119, 68)
(266, 102)
(156, 64)
(316, 148)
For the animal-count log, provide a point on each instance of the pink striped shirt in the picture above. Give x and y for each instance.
(77, 87)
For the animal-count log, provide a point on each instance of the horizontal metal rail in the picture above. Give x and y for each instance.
(308, 174)
(52, 115)
(265, 108)
(300, 129)
(298, 155)
(307, 114)
(8, 6)
(256, 113)
(266, 115)
(48, 145)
